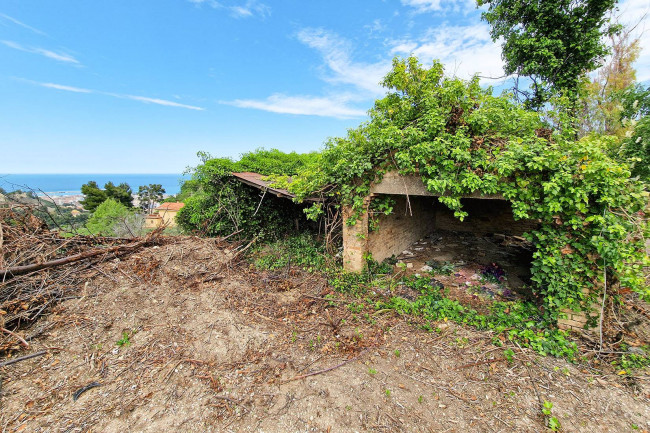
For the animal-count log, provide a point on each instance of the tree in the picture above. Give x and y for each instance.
(93, 196)
(106, 216)
(636, 145)
(552, 42)
(149, 195)
(601, 100)
(121, 193)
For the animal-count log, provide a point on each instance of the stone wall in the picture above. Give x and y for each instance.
(395, 232)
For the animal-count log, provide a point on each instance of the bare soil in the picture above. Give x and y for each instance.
(174, 340)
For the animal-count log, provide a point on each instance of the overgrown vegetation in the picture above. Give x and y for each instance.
(301, 250)
(636, 146)
(112, 218)
(519, 322)
(219, 205)
(460, 139)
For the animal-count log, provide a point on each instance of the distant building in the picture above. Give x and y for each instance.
(75, 213)
(152, 221)
(165, 214)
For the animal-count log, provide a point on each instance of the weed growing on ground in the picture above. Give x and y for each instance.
(551, 422)
(303, 251)
(125, 341)
(516, 321)
(509, 355)
(631, 361)
(441, 268)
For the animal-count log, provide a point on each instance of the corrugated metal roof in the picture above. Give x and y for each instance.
(256, 180)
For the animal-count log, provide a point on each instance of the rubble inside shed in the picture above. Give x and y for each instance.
(474, 269)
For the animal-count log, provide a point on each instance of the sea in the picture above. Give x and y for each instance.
(70, 184)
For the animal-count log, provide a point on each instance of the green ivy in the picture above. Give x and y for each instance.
(461, 140)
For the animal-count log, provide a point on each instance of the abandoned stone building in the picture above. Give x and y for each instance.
(420, 230)
(416, 214)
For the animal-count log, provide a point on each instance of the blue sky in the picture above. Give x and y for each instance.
(141, 86)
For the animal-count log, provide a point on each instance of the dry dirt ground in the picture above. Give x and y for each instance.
(175, 341)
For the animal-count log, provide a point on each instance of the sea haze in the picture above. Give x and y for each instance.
(70, 184)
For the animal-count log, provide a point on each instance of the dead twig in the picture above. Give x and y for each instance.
(13, 334)
(22, 358)
(314, 373)
(18, 270)
(487, 361)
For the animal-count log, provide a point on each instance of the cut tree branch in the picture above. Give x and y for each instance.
(24, 269)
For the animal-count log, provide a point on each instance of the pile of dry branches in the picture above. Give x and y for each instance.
(39, 267)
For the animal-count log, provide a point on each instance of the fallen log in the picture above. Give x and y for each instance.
(25, 269)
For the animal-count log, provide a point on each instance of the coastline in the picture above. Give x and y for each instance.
(61, 185)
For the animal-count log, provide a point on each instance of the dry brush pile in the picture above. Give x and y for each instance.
(39, 268)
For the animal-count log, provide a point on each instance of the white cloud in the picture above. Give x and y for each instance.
(241, 10)
(66, 88)
(376, 27)
(336, 53)
(159, 102)
(56, 56)
(336, 106)
(354, 81)
(143, 99)
(464, 50)
(250, 8)
(61, 57)
(21, 24)
(424, 6)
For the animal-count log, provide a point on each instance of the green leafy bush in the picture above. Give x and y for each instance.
(218, 205)
(302, 251)
(106, 216)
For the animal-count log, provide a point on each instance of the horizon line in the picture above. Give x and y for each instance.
(117, 174)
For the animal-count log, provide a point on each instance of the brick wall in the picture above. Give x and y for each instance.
(485, 216)
(576, 320)
(399, 230)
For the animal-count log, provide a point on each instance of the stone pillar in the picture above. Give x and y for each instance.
(355, 239)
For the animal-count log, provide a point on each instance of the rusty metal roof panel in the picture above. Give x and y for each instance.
(256, 180)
